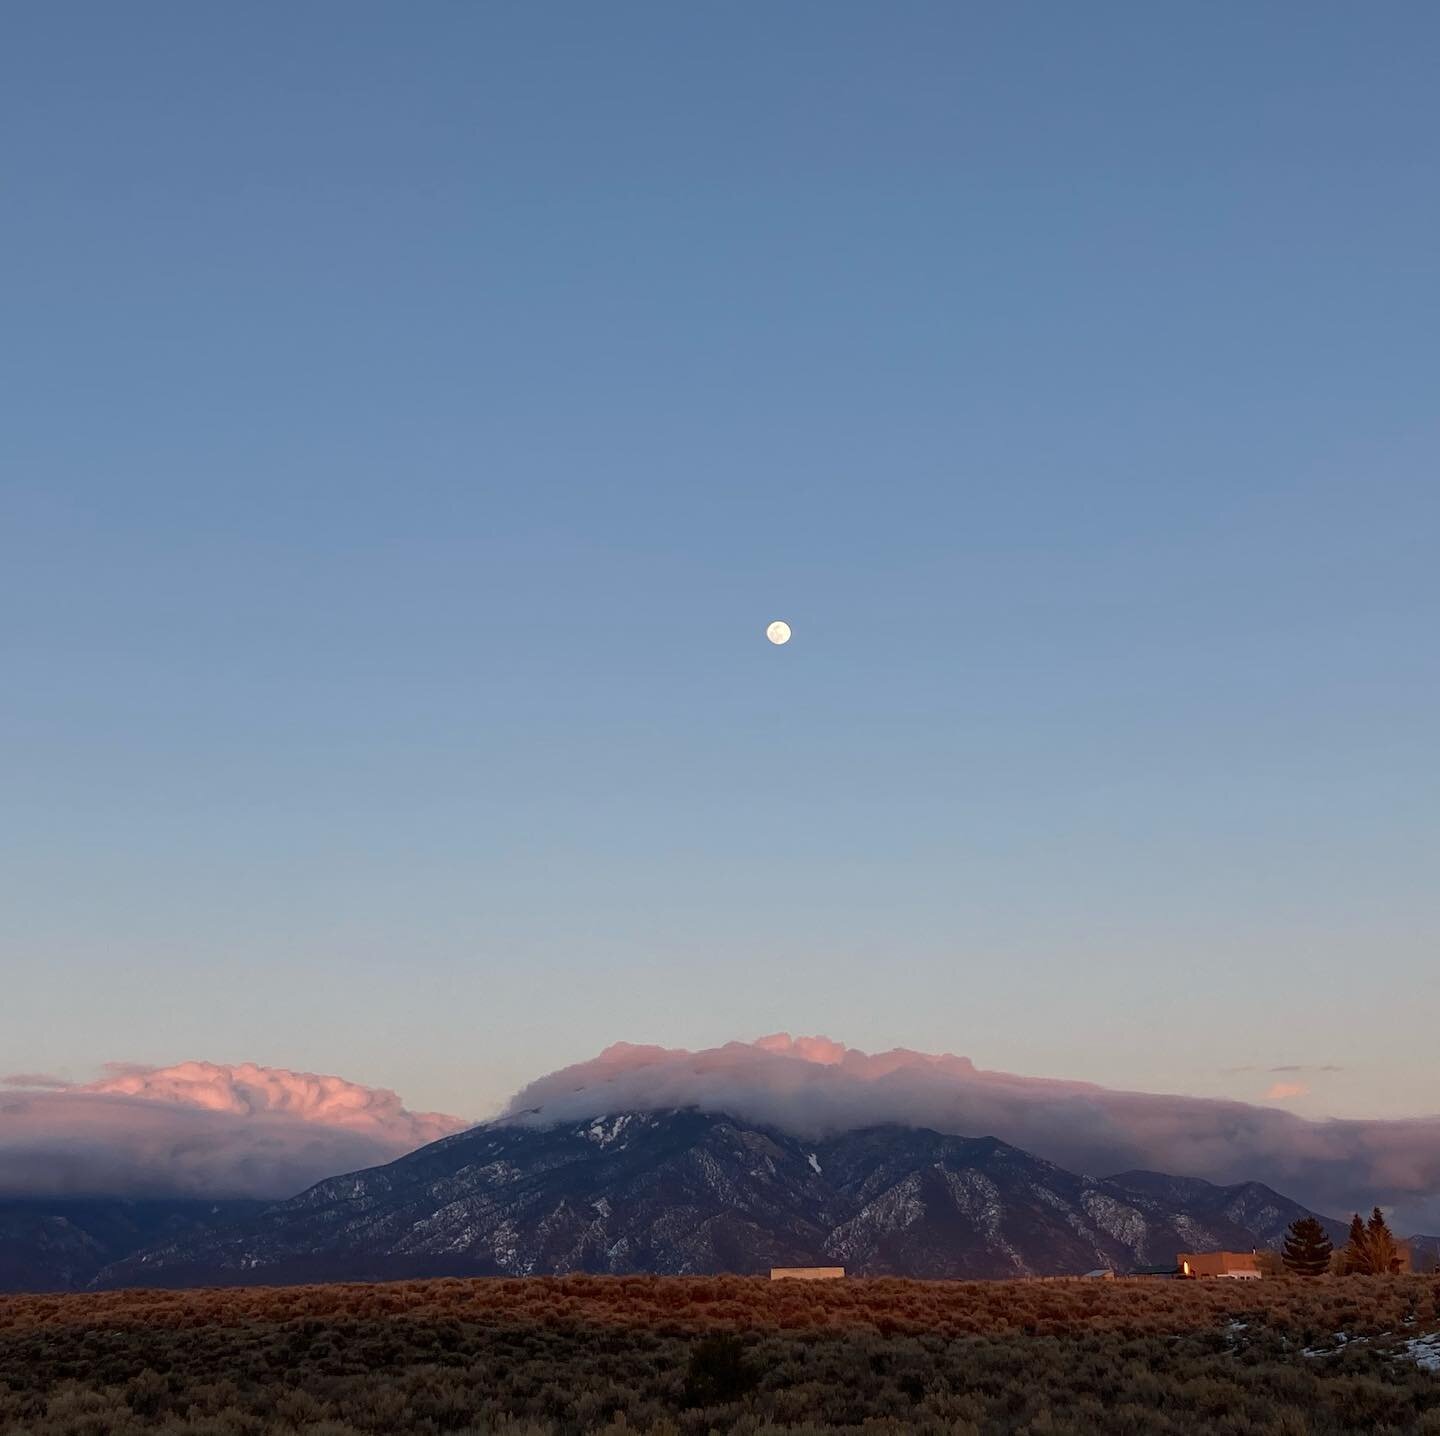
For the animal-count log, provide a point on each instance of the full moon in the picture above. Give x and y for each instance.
(778, 632)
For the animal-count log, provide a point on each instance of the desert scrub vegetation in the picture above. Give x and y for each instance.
(687, 1356)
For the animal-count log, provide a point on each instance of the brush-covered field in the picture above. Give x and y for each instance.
(684, 1355)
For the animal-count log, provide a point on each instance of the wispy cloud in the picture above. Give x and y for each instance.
(1288, 1067)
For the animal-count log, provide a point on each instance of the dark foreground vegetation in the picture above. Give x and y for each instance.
(679, 1355)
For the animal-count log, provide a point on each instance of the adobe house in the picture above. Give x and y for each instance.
(1237, 1266)
(806, 1273)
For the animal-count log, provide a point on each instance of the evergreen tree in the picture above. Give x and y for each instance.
(1372, 1249)
(1356, 1253)
(1384, 1250)
(1307, 1248)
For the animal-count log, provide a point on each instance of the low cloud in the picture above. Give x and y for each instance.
(813, 1086)
(207, 1129)
(201, 1129)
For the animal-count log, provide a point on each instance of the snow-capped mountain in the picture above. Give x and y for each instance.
(692, 1192)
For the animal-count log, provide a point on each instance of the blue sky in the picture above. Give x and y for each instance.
(414, 415)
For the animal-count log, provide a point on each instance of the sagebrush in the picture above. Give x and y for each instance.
(681, 1355)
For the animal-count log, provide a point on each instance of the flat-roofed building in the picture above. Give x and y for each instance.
(1236, 1266)
(806, 1273)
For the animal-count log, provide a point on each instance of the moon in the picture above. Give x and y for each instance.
(778, 632)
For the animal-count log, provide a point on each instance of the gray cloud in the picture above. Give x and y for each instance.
(209, 1130)
(200, 1129)
(819, 1086)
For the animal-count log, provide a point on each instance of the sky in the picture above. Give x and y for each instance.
(412, 417)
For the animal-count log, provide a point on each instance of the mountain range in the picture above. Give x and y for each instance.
(693, 1192)
(61, 1243)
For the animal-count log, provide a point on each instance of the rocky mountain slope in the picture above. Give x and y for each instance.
(59, 1244)
(1424, 1253)
(692, 1192)
(1251, 1206)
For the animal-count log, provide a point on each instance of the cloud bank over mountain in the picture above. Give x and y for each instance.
(199, 1128)
(206, 1129)
(814, 1086)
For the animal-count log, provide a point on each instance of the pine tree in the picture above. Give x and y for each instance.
(1372, 1249)
(1356, 1253)
(1307, 1248)
(1384, 1250)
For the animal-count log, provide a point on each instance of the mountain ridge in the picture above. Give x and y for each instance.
(691, 1192)
(61, 1243)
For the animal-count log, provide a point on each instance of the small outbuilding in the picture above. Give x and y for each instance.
(806, 1273)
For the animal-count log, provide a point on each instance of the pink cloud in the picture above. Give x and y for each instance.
(212, 1129)
(812, 1049)
(815, 1086)
(248, 1090)
(1284, 1091)
(202, 1128)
